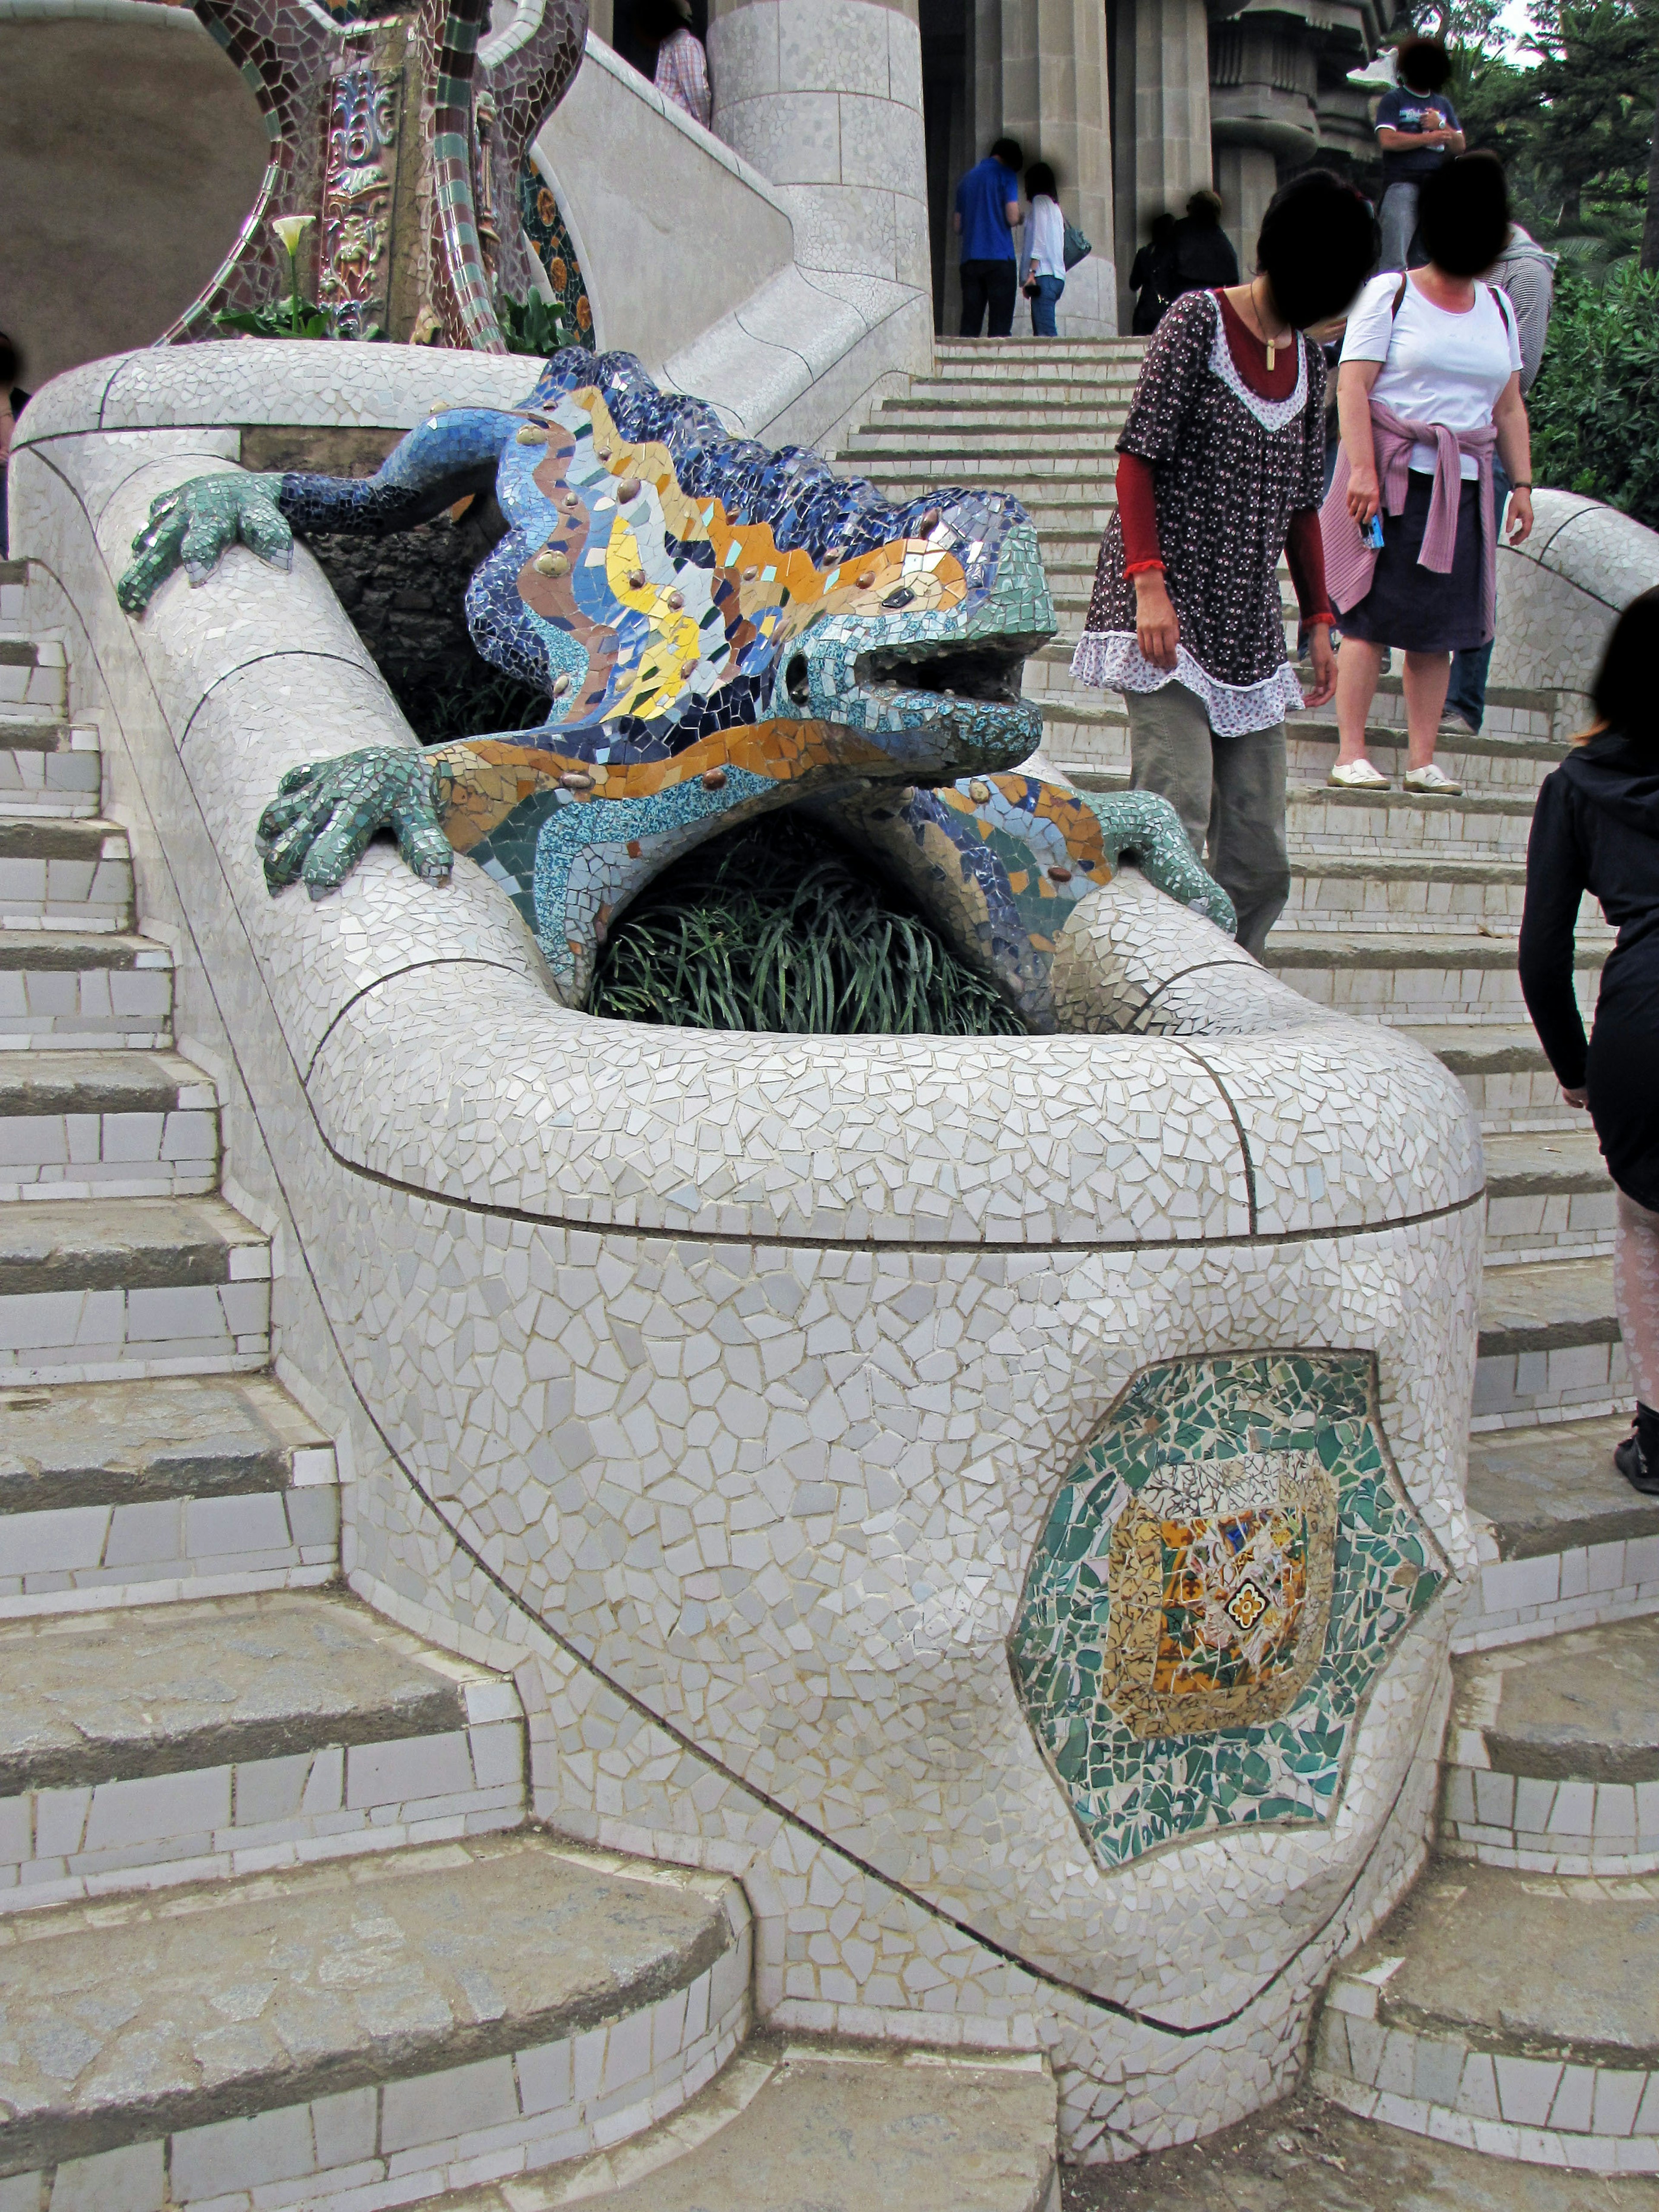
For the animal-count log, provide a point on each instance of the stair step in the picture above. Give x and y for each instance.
(815, 2125)
(173, 1487)
(32, 673)
(1568, 1542)
(95, 1290)
(65, 874)
(1510, 2016)
(1549, 1340)
(1509, 1083)
(190, 1743)
(48, 767)
(389, 2026)
(1412, 978)
(72, 990)
(1547, 1190)
(106, 1124)
(1551, 1761)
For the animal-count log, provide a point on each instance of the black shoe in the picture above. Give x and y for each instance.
(1639, 1468)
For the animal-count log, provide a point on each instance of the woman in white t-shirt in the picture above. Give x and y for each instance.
(1428, 391)
(1045, 249)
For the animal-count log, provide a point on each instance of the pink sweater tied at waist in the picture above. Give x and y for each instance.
(1350, 561)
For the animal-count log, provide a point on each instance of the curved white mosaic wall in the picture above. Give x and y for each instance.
(731, 1388)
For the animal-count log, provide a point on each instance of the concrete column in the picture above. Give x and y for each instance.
(1051, 81)
(1247, 177)
(1161, 122)
(824, 98)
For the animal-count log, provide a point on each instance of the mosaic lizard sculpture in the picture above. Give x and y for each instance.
(718, 629)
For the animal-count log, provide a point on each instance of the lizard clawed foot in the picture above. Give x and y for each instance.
(319, 825)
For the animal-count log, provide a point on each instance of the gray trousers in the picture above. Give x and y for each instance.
(1230, 791)
(1397, 217)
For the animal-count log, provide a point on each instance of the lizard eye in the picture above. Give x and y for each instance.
(901, 598)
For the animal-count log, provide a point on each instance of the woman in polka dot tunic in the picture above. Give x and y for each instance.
(1221, 469)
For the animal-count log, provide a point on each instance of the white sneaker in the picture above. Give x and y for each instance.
(1357, 776)
(1432, 779)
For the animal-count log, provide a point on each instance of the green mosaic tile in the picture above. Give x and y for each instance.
(1217, 1585)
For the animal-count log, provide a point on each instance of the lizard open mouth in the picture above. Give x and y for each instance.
(988, 674)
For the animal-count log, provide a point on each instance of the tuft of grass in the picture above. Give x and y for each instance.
(777, 926)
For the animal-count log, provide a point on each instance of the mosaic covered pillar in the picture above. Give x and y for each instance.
(824, 98)
(404, 146)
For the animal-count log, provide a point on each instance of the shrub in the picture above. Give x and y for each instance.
(1594, 408)
(778, 927)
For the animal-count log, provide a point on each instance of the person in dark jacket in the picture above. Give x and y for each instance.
(1152, 277)
(1596, 829)
(1203, 256)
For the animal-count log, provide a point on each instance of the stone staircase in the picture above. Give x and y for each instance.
(1406, 909)
(275, 1928)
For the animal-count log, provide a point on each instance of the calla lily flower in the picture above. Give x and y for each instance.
(290, 229)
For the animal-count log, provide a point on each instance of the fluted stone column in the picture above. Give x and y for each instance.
(1161, 118)
(1247, 177)
(1264, 88)
(1040, 76)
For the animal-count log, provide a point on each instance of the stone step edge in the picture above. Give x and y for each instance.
(242, 1800)
(1435, 2080)
(520, 2106)
(756, 2065)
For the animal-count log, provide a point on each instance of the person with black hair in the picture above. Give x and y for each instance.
(1418, 130)
(1596, 828)
(1203, 256)
(1045, 249)
(1220, 471)
(986, 212)
(1152, 276)
(1428, 393)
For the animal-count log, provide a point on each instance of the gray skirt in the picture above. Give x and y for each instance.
(1416, 608)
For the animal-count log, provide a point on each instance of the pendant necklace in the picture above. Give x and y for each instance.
(1272, 345)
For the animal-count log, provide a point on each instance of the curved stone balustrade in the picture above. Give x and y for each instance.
(1560, 594)
(757, 1396)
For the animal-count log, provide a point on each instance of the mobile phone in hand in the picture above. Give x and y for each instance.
(1373, 533)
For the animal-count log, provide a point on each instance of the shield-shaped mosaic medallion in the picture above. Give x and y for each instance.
(1215, 1589)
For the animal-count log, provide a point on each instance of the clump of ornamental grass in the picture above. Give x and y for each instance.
(777, 926)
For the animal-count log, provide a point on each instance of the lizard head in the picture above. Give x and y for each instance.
(664, 583)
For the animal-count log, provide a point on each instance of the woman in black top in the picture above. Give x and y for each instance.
(1596, 829)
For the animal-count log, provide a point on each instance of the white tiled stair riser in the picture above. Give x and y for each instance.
(209, 1823)
(88, 1004)
(78, 1558)
(51, 773)
(1543, 2111)
(90, 892)
(1553, 1827)
(138, 1155)
(1482, 826)
(1514, 1389)
(1528, 1223)
(1521, 1099)
(95, 1336)
(370, 2148)
(1417, 900)
(1517, 1601)
(34, 675)
(14, 596)
(1403, 996)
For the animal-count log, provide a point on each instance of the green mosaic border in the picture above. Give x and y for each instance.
(1130, 1795)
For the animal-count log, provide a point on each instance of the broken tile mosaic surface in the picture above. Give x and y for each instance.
(1218, 1584)
(718, 629)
